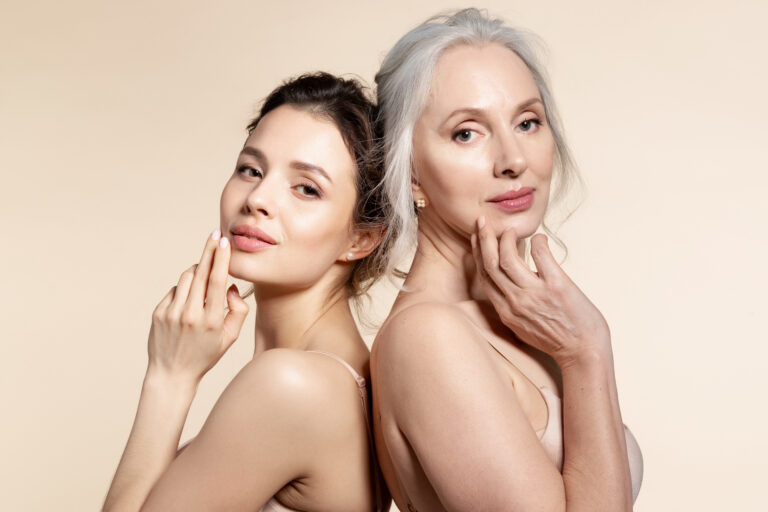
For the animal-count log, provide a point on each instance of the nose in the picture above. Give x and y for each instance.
(510, 159)
(261, 199)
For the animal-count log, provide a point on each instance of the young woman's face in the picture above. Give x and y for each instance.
(483, 146)
(288, 206)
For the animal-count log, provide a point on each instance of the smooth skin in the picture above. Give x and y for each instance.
(456, 423)
(290, 424)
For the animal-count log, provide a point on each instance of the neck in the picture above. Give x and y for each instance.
(443, 266)
(285, 317)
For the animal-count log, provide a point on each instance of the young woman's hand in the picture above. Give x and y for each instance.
(190, 328)
(545, 309)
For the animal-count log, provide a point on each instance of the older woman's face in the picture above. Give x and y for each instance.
(483, 145)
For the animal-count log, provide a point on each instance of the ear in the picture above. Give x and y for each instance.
(363, 243)
(416, 190)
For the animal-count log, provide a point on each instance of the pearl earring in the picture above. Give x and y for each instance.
(421, 202)
(350, 256)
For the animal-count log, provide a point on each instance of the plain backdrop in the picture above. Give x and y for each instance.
(120, 123)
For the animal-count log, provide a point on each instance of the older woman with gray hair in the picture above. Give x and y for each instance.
(494, 386)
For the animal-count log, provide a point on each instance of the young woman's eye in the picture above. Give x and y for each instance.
(250, 171)
(308, 190)
(463, 135)
(529, 125)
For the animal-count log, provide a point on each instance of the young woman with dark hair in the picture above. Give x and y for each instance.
(302, 219)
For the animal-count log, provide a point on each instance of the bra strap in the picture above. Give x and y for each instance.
(360, 381)
(363, 391)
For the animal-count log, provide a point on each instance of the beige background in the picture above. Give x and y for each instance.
(120, 123)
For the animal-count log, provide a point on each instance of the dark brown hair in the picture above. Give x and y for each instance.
(347, 104)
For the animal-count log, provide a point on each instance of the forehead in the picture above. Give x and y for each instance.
(480, 76)
(289, 134)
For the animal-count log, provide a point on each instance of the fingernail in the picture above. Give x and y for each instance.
(481, 221)
(223, 242)
(216, 234)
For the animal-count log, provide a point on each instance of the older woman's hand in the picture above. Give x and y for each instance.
(544, 309)
(191, 329)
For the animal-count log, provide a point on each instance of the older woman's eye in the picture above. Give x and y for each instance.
(463, 135)
(529, 125)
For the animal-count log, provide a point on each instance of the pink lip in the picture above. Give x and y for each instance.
(250, 238)
(512, 194)
(514, 200)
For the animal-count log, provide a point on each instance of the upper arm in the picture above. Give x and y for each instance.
(459, 416)
(255, 440)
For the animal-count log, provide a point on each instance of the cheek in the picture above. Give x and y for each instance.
(226, 203)
(319, 234)
(450, 174)
(541, 156)
(314, 231)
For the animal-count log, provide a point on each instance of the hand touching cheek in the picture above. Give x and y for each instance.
(544, 309)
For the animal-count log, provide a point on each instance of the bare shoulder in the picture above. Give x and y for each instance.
(420, 330)
(427, 345)
(282, 417)
(437, 385)
(295, 385)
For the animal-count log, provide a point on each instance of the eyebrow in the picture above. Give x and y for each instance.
(295, 164)
(305, 166)
(250, 150)
(473, 111)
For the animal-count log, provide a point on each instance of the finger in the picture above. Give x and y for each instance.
(217, 281)
(478, 257)
(500, 303)
(479, 264)
(238, 310)
(200, 281)
(545, 262)
(182, 291)
(498, 300)
(510, 261)
(487, 283)
(489, 251)
(162, 306)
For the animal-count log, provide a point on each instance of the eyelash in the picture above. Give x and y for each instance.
(310, 190)
(456, 134)
(534, 120)
(244, 168)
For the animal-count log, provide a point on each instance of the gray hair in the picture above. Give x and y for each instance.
(403, 85)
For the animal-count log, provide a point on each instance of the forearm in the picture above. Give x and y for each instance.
(596, 468)
(154, 438)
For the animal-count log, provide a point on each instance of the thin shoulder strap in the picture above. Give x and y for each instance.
(362, 389)
(360, 380)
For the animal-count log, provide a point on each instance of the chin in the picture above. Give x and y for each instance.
(524, 226)
(266, 276)
(245, 271)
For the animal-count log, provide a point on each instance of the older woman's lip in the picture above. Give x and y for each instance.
(517, 203)
(512, 194)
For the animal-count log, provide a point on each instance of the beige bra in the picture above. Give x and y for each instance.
(551, 436)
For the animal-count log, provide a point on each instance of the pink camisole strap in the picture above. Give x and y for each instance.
(275, 506)
(362, 389)
(361, 385)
